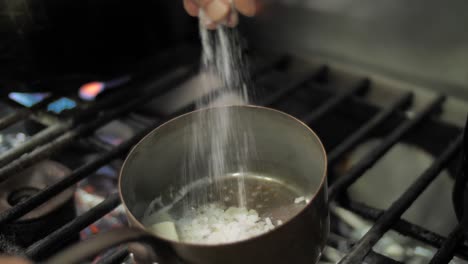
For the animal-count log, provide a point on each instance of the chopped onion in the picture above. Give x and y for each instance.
(166, 230)
(211, 224)
(299, 200)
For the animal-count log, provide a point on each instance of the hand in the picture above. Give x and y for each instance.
(218, 11)
(13, 260)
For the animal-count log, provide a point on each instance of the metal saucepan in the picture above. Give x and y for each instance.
(287, 152)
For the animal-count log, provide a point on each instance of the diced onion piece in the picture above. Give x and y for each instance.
(166, 230)
(299, 200)
(213, 224)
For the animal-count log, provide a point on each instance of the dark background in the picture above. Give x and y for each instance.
(58, 37)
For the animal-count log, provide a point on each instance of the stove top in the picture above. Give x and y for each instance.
(392, 149)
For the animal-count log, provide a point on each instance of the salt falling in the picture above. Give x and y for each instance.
(221, 59)
(212, 206)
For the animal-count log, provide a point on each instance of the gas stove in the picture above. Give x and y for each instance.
(392, 149)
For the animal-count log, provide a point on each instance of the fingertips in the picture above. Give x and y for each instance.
(217, 10)
(191, 7)
(211, 26)
(232, 20)
(246, 7)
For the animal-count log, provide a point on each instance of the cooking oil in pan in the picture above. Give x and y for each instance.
(269, 203)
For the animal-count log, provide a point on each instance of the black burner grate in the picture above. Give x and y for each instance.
(60, 135)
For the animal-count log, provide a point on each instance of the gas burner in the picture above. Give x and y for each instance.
(40, 221)
(373, 129)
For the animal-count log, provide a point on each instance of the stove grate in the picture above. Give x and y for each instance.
(62, 134)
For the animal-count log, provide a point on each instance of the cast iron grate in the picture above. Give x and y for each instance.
(282, 90)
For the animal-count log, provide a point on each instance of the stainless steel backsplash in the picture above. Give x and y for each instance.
(419, 41)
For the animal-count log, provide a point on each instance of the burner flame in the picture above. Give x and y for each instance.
(90, 91)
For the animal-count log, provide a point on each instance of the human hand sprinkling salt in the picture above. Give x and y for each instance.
(13, 260)
(220, 11)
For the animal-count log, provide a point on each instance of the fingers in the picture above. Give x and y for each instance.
(220, 10)
(211, 26)
(232, 20)
(246, 7)
(217, 10)
(13, 260)
(191, 7)
(203, 3)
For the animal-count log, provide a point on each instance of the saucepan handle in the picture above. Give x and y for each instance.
(82, 251)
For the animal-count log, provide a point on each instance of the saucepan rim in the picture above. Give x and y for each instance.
(190, 244)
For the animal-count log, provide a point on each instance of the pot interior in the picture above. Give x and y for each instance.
(280, 158)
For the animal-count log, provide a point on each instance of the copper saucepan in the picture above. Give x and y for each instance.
(286, 152)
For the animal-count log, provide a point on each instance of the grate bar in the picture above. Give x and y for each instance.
(394, 212)
(115, 258)
(404, 227)
(367, 128)
(12, 118)
(256, 72)
(110, 101)
(297, 83)
(78, 174)
(40, 138)
(268, 65)
(374, 155)
(447, 250)
(51, 132)
(76, 225)
(48, 149)
(374, 257)
(361, 87)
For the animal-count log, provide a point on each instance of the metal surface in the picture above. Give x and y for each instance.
(42, 220)
(361, 87)
(35, 178)
(12, 118)
(61, 235)
(291, 151)
(385, 183)
(78, 174)
(460, 190)
(38, 139)
(447, 250)
(106, 240)
(44, 151)
(420, 42)
(117, 257)
(296, 150)
(406, 228)
(367, 116)
(357, 171)
(395, 211)
(353, 140)
(291, 87)
(82, 172)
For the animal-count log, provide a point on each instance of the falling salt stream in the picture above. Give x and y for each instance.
(221, 57)
(221, 207)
